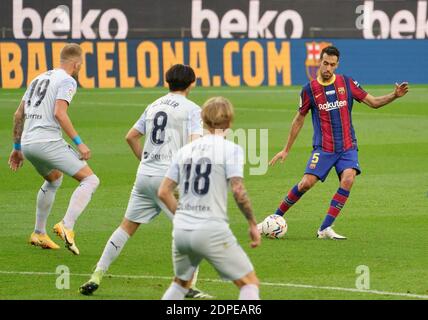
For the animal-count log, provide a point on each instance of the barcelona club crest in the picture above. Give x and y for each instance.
(313, 56)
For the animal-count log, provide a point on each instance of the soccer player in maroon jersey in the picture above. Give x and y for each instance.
(330, 98)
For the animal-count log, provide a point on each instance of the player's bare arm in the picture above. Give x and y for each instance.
(16, 158)
(296, 126)
(166, 194)
(244, 204)
(133, 138)
(64, 121)
(378, 102)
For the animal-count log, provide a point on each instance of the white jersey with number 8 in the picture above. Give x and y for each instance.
(167, 123)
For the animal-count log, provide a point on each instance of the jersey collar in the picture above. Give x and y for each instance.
(325, 84)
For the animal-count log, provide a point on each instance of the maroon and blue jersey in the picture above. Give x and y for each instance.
(331, 107)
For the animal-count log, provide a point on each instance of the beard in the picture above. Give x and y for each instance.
(326, 76)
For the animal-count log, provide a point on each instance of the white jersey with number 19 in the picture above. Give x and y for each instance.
(40, 123)
(168, 122)
(202, 170)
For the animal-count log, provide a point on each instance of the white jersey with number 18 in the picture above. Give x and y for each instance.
(40, 122)
(202, 170)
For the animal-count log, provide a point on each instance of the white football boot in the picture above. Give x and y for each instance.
(328, 233)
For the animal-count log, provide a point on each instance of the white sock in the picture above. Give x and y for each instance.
(80, 199)
(112, 249)
(45, 200)
(249, 292)
(195, 278)
(175, 292)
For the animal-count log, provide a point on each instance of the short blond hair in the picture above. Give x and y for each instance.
(70, 51)
(217, 113)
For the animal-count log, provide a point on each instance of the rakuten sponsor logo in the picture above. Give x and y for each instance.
(332, 105)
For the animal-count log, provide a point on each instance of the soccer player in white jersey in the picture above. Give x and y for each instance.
(168, 123)
(38, 137)
(202, 170)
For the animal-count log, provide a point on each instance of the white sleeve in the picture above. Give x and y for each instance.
(25, 96)
(235, 162)
(195, 122)
(66, 90)
(173, 172)
(140, 125)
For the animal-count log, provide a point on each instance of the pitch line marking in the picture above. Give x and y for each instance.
(280, 90)
(292, 110)
(270, 284)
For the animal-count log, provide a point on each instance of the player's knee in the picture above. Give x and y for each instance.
(53, 184)
(58, 182)
(250, 278)
(93, 181)
(129, 227)
(305, 185)
(347, 182)
(255, 281)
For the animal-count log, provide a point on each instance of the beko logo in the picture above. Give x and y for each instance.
(253, 25)
(60, 24)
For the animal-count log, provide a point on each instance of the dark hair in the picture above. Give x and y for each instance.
(330, 51)
(180, 77)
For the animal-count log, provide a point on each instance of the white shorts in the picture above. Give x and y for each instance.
(144, 203)
(218, 246)
(47, 156)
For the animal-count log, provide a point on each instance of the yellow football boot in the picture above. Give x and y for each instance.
(68, 237)
(42, 240)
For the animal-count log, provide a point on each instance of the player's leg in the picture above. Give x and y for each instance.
(185, 263)
(64, 158)
(295, 193)
(38, 155)
(248, 287)
(177, 290)
(116, 243)
(223, 251)
(88, 184)
(79, 200)
(193, 292)
(112, 250)
(317, 168)
(347, 168)
(141, 210)
(45, 200)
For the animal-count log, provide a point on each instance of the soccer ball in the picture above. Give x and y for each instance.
(274, 226)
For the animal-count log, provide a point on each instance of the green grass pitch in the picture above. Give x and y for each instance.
(385, 219)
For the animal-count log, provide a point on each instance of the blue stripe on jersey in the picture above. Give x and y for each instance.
(350, 105)
(316, 122)
(336, 122)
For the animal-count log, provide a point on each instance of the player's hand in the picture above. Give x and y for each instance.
(281, 156)
(254, 236)
(401, 89)
(85, 153)
(16, 160)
